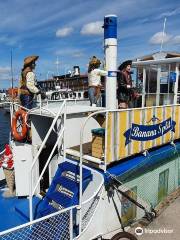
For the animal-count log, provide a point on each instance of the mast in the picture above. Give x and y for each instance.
(162, 40)
(12, 81)
(110, 47)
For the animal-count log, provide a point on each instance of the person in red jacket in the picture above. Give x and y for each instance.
(7, 163)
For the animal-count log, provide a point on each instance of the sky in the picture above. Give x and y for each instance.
(64, 33)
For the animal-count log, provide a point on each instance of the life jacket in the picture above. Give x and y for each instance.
(23, 82)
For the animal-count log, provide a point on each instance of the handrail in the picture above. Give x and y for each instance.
(38, 220)
(80, 165)
(49, 158)
(37, 156)
(105, 111)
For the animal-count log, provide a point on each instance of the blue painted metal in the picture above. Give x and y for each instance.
(110, 27)
(59, 197)
(143, 163)
(8, 215)
(43, 207)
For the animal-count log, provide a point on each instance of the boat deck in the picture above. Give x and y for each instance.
(8, 215)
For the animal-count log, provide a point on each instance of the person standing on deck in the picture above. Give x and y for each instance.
(28, 82)
(94, 81)
(125, 91)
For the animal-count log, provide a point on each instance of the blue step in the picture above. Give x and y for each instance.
(45, 211)
(44, 207)
(67, 166)
(67, 183)
(23, 207)
(62, 199)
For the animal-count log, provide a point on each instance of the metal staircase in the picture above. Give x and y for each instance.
(62, 193)
(64, 189)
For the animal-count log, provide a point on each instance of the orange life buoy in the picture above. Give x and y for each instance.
(19, 126)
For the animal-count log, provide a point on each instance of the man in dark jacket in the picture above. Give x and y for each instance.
(125, 91)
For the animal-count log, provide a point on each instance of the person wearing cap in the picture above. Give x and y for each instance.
(28, 82)
(125, 91)
(94, 81)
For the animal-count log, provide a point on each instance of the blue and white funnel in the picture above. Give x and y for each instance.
(110, 46)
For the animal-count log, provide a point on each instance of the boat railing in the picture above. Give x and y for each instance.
(135, 130)
(62, 111)
(88, 208)
(163, 122)
(58, 225)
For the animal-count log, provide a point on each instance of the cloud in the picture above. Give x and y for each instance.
(78, 54)
(10, 41)
(5, 73)
(64, 32)
(157, 38)
(5, 70)
(176, 39)
(169, 13)
(93, 28)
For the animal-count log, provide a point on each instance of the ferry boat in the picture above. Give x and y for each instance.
(87, 172)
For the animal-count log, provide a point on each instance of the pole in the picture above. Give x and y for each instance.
(12, 81)
(110, 47)
(57, 65)
(162, 40)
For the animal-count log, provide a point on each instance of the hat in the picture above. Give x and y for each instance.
(94, 61)
(28, 60)
(125, 64)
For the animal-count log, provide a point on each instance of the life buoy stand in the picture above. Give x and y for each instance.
(19, 126)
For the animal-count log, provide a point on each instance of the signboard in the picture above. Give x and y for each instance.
(145, 133)
(164, 77)
(172, 77)
(141, 129)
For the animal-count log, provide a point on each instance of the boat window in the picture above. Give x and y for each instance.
(167, 84)
(163, 185)
(128, 209)
(151, 85)
(137, 83)
(178, 173)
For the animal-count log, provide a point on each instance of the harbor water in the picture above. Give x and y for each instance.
(4, 128)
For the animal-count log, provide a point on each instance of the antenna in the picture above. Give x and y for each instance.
(57, 65)
(12, 81)
(162, 40)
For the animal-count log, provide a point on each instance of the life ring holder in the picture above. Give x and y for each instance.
(21, 116)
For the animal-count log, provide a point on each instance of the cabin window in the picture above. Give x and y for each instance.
(167, 84)
(151, 85)
(128, 209)
(163, 185)
(179, 173)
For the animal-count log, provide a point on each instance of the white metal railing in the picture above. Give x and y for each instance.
(105, 160)
(57, 225)
(31, 189)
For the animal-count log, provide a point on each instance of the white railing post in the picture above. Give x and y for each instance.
(80, 178)
(30, 197)
(105, 150)
(71, 224)
(64, 135)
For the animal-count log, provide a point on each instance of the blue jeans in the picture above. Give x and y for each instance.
(93, 99)
(26, 101)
